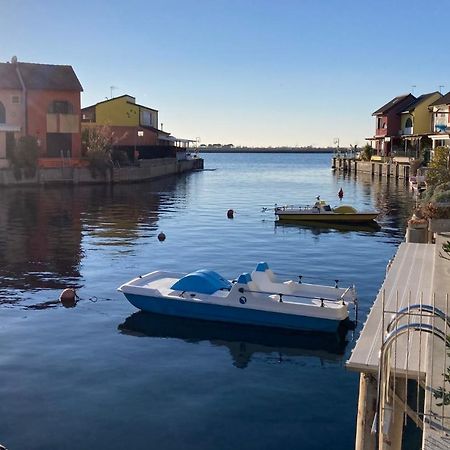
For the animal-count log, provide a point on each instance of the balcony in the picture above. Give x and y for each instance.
(63, 123)
(407, 130)
(381, 132)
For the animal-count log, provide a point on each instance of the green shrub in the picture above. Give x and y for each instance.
(441, 197)
(366, 152)
(25, 156)
(438, 172)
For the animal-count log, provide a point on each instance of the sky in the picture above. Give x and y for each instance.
(245, 72)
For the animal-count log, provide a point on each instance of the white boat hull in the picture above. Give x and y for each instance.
(255, 300)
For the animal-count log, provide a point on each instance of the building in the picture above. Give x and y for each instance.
(43, 101)
(11, 111)
(416, 123)
(440, 110)
(134, 128)
(387, 136)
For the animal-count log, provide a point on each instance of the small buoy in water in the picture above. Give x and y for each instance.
(68, 298)
(161, 237)
(230, 214)
(340, 193)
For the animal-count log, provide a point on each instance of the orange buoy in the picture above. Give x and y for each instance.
(161, 237)
(230, 214)
(68, 298)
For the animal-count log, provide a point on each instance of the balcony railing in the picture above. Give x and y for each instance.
(407, 130)
(381, 131)
(63, 123)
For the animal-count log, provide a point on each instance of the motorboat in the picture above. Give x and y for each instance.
(321, 211)
(258, 298)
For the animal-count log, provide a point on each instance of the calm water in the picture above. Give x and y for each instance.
(103, 376)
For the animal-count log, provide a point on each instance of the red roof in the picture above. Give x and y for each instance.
(39, 76)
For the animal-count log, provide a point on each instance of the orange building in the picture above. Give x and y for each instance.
(43, 101)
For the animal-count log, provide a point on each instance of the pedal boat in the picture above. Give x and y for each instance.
(323, 212)
(256, 298)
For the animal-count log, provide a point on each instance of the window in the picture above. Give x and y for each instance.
(2, 113)
(60, 107)
(15, 99)
(408, 123)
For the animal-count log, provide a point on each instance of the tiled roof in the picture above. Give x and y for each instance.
(49, 77)
(418, 100)
(395, 102)
(8, 77)
(444, 100)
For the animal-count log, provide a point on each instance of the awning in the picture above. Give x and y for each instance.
(5, 127)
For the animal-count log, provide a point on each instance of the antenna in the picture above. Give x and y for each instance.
(441, 86)
(111, 88)
(413, 87)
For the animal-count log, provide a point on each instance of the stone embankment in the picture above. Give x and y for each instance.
(147, 170)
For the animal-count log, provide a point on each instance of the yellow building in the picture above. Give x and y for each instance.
(416, 123)
(134, 127)
(416, 118)
(121, 111)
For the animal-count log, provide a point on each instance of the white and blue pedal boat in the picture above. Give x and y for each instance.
(257, 298)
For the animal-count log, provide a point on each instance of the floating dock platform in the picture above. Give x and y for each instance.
(402, 352)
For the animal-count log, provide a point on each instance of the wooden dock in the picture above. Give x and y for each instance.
(418, 275)
(388, 169)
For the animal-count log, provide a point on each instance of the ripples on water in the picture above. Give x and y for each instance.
(130, 378)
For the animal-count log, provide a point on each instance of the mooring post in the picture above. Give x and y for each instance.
(367, 400)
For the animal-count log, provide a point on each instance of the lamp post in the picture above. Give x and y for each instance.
(139, 133)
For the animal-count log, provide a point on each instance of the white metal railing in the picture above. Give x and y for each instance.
(388, 399)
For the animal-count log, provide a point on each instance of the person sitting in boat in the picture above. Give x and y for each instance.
(317, 204)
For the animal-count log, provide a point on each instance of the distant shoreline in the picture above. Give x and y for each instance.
(264, 150)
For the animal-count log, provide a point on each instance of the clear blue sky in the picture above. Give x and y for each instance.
(286, 72)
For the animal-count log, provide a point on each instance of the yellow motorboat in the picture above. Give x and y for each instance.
(321, 211)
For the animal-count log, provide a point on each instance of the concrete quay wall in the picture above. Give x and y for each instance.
(148, 169)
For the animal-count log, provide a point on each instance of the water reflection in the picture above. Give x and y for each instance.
(390, 197)
(321, 227)
(40, 240)
(45, 232)
(243, 342)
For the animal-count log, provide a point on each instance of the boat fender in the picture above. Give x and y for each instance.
(243, 300)
(68, 298)
(161, 237)
(230, 214)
